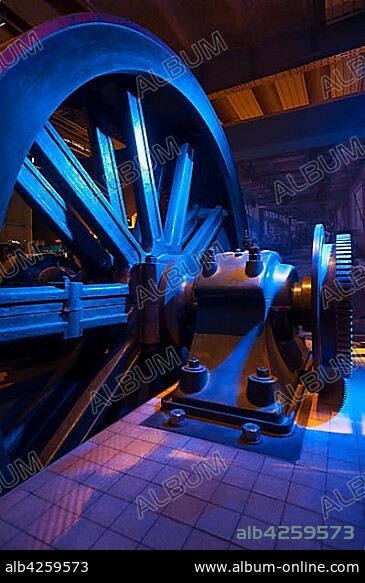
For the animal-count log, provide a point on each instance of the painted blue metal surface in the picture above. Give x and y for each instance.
(89, 214)
(42, 195)
(106, 164)
(86, 195)
(206, 233)
(175, 225)
(146, 192)
(68, 310)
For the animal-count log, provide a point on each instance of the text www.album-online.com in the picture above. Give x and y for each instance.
(300, 567)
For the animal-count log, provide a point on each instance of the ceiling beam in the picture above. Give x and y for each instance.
(15, 24)
(238, 66)
(302, 129)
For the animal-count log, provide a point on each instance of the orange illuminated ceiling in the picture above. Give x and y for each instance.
(246, 26)
(310, 84)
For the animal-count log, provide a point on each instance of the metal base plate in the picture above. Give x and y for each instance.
(285, 447)
(270, 419)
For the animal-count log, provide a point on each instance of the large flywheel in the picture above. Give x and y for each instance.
(156, 188)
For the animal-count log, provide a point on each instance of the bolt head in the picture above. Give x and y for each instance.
(194, 362)
(251, 433)
(262, 372)
(177, 417)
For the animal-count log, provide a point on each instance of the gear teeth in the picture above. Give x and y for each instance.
(344, 307)
(344, 396)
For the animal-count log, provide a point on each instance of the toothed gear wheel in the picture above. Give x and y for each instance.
(344, 307)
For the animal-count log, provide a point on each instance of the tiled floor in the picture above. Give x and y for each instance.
(88, 498)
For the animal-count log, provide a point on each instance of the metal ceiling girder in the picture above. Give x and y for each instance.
(300, 130)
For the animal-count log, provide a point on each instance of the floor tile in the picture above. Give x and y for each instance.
(249, 460)
(129, 523)
(202, 541)
(138, 447)
(51, 524)
(310, 478)
(197, 446)
(305, 497)
(56, 488)
(161, 454)
(122, 462)
(127, 488)
(350, 467)
(230, 497)
(218, 521)
(186, 509)
(152, 435)
(79, 535)
(167, 534)
(186, 461)
(100, 454)
(40, 479)
(105, 510)
(80, 470)
(101, 437)
(238, 476)
(273, 487)
(7, 532)
(111, 541)
(296, 516)
(264, 508)
(174, 440)
(79, 499)
(24, 541)
(26, 511)
(103, 478)
(118, 441)
(227, 453)
(277, 468)
(11, 498)
(146, 469)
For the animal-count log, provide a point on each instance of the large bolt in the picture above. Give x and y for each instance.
(246, 243)
(254, 253)
(177, 417)
(193, 362)
(254, 264)
(262, 372)
(251, 433)
(262, 387)
(194, 376)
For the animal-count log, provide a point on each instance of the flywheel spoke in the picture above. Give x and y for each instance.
(147, 197)
(106, 164)
(179, 199)
(206, 232)
(41, 195)
(72, 178)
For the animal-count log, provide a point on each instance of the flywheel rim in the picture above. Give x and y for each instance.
(66, 32)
